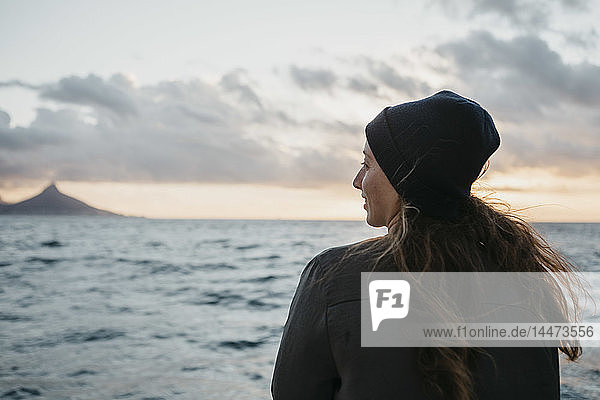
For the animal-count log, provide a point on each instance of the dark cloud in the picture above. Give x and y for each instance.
(528, 15)
(18, 83)
(196, 131)
(4, 119)
(91, 91)
(20, 139)
(381, 74)
(579, 5)
(524, 67)
(552, 150)
(362, 85)
(391, 78)
(547, 105)
(233, 81)
(313, 79)
(180, 131)
(49, 129)
(521, 13)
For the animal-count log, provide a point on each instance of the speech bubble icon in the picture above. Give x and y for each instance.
(389, 300)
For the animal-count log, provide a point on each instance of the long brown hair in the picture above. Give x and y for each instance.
(487, 236)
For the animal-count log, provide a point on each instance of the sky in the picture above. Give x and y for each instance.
(236, 109)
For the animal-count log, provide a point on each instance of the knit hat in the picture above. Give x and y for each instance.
(432, 150)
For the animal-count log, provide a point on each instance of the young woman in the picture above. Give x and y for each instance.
(421, 159)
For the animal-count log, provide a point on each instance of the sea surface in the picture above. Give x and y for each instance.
(129, 308)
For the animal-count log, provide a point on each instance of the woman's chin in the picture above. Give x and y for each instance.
(373, 222)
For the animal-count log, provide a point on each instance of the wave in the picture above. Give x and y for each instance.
(214, 241)
(223, 298)
(159, 267)
(156, 266)
(161, 337)
(13, 317)
(248, 247)
(92, 336)
(258, 303)
(29, 300)
(241, 344)
(135, 262)
(81, 372)
(270, 257)
(167, 269)
(20, 392)
(254, 376)
(191, 369)
(74, 337)
(212, 266)
(51, 243)
(263, 279)
(44, 260)
(118, 310)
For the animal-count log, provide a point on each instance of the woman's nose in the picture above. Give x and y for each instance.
(357, 182)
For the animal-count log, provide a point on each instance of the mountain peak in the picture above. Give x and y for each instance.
(52, 202)
(51, 188)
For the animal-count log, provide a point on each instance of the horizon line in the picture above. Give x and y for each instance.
(250, 219)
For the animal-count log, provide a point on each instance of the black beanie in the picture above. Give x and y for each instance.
(432, 150)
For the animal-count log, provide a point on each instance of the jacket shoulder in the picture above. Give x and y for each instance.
(359, 249)
(317, 267)
(332, 255)
(341, 260)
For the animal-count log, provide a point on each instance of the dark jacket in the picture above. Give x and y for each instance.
(320, 356)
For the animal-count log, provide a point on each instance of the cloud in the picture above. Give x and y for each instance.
(525, 68)
(18, 83)
(521, 13)
(313, 79)
(552, 150)
(369, 76)
(229, 131)
(525, 15)
(585, 40)
(233, 81)
(190, 131)
(47, 130)
(391, 78)
(547, 107)
(92, 91)
(579, 5)
(337, 127)
(362, 85)
(4, 119)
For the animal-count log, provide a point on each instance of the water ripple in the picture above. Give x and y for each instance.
(51, 243)
(20, 392)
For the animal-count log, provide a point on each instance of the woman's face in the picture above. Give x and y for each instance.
(382, 201)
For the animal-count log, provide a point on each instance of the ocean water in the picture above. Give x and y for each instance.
(124, 308)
